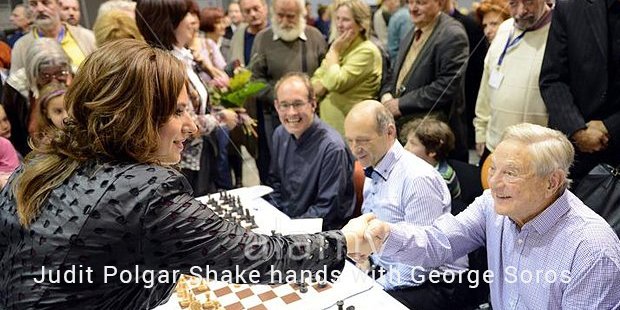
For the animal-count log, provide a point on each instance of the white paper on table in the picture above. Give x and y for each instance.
(303, 226)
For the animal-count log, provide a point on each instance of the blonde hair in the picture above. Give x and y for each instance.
(361, 14)
(49, 92)
(115, 25)
(123, 93)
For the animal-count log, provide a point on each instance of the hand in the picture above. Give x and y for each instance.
(343, 41)
(376, 233)
(228, 117)
(341, 44)
(354, 232)
(319, 89)
(480, 148)
(392, 106)
(590, 140)
(598, 125)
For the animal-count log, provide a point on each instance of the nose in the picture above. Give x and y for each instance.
(189, 126)
(521, 9)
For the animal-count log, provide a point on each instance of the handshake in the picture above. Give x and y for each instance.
(365, 235)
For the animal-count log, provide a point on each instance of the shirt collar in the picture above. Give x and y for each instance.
(308, 133)
(550, 216)
(389, 160)
(183, 54)
(302, 36)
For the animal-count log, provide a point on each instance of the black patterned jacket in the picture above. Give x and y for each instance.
(137, 218)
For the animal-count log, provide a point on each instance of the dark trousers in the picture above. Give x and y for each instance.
(433, 296)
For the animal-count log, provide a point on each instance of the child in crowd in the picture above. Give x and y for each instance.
(5, 124)
(9, 159)
(51, 111)
(432, 140)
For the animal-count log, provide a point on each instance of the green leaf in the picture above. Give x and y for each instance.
(238, 97)
(241, 78)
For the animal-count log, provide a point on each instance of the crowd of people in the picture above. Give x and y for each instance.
(107, 136)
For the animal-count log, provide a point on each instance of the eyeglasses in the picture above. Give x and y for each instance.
(296, 105)
(46, 77)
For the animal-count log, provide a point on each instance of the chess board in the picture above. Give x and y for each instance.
(230, 208)
(217, 295)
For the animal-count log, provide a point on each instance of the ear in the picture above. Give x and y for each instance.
(554, 181)
(391, 130)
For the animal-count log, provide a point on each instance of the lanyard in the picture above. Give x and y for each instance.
(510, 43)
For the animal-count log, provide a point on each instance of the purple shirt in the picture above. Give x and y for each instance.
(567, 257)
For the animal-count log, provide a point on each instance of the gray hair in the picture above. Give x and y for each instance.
(384, 119)
(550, 149)
(300, 3)
(27, 11)
(43, 51)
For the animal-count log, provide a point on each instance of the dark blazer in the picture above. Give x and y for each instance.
(573, 78)
(437, 80)
(135, 216)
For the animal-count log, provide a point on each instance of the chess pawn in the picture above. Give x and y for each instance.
(195, 305)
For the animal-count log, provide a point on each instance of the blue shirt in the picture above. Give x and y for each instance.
(572, 249)
(248, 41)
(400, 24)
(405, 188)
(312, 177)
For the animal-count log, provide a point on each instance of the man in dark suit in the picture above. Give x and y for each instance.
(580, 79)
(428, 76)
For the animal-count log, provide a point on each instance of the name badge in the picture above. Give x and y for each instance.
(495, 80)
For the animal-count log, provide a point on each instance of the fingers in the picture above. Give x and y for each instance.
(376, 233)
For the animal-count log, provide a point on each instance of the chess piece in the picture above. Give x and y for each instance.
(351, 308)
(303, 288)
(340, 304)
(322, 284)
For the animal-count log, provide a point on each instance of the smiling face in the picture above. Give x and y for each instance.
(295, 109)
(175, 131)
(516, 189)
(185, 31)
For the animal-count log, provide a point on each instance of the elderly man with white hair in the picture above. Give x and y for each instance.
(546, 249)
(289, 45)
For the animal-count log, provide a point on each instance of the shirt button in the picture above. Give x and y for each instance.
(520, 241)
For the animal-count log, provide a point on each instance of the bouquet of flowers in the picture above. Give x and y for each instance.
(232, 93)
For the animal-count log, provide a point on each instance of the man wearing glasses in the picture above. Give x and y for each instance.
(401, 187)
(311, 168)
(546, 248)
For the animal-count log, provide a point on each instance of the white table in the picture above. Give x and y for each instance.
(353, 287)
